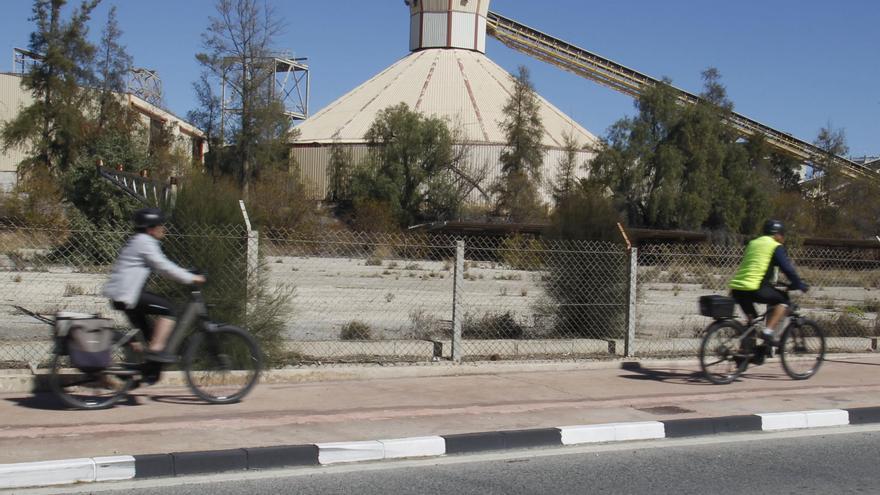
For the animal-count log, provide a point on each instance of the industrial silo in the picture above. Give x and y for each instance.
(446, 74)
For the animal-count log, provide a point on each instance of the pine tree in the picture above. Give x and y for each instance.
(113, 65)
(517, 193)
(54, 125)
(339, 172)
(568, 165)
(239, 44)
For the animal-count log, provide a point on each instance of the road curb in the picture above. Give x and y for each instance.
(68, 471)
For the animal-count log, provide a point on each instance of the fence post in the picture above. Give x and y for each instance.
(632, 273)
(456, 300)
(252, 259)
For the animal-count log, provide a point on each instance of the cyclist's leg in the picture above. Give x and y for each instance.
(156, 333)
(746, 301)
(777, 304)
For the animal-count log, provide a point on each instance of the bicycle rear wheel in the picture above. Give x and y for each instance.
(222, 365)
(802, 349)
(722, 354)
(89, 389)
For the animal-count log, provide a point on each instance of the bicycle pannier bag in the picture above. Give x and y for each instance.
(89, 343)
(716, 306)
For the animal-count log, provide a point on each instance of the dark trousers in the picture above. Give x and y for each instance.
(148, 304)
(766, 294)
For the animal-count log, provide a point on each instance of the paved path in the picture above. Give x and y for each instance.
(477, 398)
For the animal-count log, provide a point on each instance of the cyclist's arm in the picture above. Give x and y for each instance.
(159, 263)
(780, 259)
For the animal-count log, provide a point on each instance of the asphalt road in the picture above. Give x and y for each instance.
(835, 461)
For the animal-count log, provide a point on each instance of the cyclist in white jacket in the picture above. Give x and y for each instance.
(140, 256)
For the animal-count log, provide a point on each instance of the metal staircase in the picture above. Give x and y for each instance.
(628, 81)
(151, 192)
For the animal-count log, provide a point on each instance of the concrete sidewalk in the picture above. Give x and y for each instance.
(370, 402)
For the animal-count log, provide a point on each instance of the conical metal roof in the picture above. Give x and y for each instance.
(464, 87)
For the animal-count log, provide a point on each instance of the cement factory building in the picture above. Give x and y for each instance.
(448, 75)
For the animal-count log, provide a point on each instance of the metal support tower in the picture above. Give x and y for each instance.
(287, 80)
(145, 84)
(628, 81)
(23, 60)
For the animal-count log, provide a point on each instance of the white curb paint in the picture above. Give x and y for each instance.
(331, 453)
(643, 430)
(573, 435)
(46, 473)
(120, 467)
(611, 432)
(831, 417)
(803, 419)
(783, 421)
(413, 447)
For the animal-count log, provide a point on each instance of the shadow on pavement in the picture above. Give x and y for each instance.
(49, 402)
(840, 361)
(178, 399)
(39, 401)
(663, 375)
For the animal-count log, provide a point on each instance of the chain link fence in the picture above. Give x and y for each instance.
(844, 296)
(339, 297)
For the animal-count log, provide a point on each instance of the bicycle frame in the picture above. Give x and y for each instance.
(195, 310)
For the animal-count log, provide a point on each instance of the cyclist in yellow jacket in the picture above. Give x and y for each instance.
(754, 280)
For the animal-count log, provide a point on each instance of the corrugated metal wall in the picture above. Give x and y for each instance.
(12, 98)
(313, 164)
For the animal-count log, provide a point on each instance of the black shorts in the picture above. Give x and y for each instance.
(148, 304)
(770, 296)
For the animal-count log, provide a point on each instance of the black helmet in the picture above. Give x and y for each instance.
(772, 227)
(148, 217)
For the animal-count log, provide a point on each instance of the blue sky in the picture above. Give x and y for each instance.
(794, 65)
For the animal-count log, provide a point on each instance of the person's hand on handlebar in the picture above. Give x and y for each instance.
(199, 280)
(803, 287)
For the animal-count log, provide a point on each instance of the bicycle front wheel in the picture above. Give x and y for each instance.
(222, 365)
(802, 349)
(723, 356)
(88, 389)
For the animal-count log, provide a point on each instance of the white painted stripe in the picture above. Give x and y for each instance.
(783, 421)
(830, 417)
(46, 473)
(120, 467)
(332, 453)
(413, 447)
(573, 435)
(803, 419)
(611, 432)
(642, 430)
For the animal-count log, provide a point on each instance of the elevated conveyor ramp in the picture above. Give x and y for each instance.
(628, 81)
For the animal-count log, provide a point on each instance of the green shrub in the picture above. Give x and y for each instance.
(845, 325)
(491, 326)
(522, 252)
(590, 288)
(356, 330)
(871, 306)
(71, 290)
(424, 326)
(207, 231)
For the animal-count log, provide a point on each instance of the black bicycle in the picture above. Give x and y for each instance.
(221, 363)
(729, 346)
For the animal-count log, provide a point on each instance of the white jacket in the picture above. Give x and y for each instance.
(140, 255)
